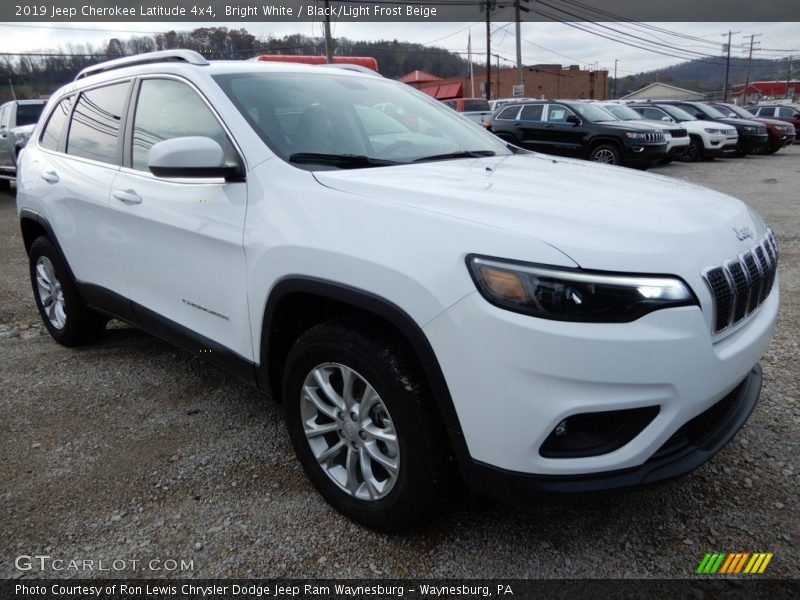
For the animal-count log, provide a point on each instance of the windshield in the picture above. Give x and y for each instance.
(593, 113)
(676, 113)
(341, 121)
(736, 110)
(28, 114)
(710, 111)
(623, 112)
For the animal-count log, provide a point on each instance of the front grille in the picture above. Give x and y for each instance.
(654, 136)
(740, 285)
(730, 132)
(678, 133)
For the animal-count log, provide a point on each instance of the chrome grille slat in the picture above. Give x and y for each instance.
(741, 285)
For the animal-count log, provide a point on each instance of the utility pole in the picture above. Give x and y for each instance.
(615, 78)
(328, 41)
(788, 78)
(727, 66)
(517, 8)
(749, 61)
(488, 4)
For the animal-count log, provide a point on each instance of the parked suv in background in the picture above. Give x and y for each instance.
(753, 136)
(707, 139)
(780, 133)
(17, 120)
(578, 129)
(427, 307)
(475, 109)
(677, 137)
(783, 112)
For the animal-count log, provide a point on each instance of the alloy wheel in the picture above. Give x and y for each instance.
(350, 431)
(50, 292)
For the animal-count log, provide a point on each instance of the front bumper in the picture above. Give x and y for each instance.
(690, 447)
(752, 143)
(636, 153)
(514, 378)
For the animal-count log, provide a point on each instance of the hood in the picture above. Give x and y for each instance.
(624, 125)
(740, 122)
(772, 122)
(602, 217)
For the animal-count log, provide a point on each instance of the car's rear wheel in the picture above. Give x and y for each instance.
(63, 311)
(608, 154)
(364, 427)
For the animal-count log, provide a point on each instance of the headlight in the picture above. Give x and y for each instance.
(631, 135)
(573, 294)
(750, 129)
(712, 130)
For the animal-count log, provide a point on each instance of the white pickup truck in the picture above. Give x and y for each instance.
(17, 120)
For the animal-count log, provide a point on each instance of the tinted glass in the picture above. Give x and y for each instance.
(168, 109)
(28, 114)
(96, 121)
(476, 105)
(766, 111)
(510, 113)
(532, 112)
(623, 112)
(51, 136)
(594, 113)
(787, 112)
(652, 113)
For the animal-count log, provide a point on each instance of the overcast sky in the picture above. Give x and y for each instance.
(542, 42)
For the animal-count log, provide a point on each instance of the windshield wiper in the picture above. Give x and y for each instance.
(345, 161)
(461, 154)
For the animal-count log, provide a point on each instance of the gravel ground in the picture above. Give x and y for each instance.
(131, 450)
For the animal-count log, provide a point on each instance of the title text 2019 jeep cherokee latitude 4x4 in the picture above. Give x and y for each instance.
(425, 304)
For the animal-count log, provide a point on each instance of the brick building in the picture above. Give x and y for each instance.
(539, 81)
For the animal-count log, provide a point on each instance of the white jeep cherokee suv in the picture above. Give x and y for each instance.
(428, 303)
(707, 139)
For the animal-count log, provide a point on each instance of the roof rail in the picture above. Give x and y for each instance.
(187, 56)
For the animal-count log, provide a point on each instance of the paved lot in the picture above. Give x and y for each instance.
(130, 450)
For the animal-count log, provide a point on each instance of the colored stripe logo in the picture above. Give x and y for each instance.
(734, 563)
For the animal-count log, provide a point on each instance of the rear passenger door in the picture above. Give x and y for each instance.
(81, 151)
(532, 126)
(181, 239)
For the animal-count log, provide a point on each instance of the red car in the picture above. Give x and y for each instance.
(789, 113)
(780, 133)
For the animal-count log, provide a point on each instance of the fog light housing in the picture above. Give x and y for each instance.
(596, 433)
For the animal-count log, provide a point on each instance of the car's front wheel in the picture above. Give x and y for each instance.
(694, 152)
(607, 154)
(364, 427)
(63, 311)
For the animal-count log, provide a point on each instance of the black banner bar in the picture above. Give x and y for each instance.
(745, 588)
(397, 11)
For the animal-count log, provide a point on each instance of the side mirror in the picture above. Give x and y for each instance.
(573, 119)
(668, 119)
(193, 157)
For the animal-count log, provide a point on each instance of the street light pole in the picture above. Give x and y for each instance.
(615, 78)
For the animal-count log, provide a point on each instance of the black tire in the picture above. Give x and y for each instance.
(607, 154)
(694, 152)
(80, 324)
(426, 476)
(772, 148)
(5, 185)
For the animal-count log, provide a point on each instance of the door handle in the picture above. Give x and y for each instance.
(50, 176)
(127, 196)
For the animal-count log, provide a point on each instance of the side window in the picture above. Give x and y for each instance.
(168, 109)
(766, 111)
(509, 113)
(652, 113)
(557, 113)
(51, 136)
(4, 112)
(787, 112)
(532, 112)
(95, 126)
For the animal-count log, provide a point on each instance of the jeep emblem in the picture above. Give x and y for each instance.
(743, 233)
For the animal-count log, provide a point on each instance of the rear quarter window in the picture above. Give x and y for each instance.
(56, 124)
